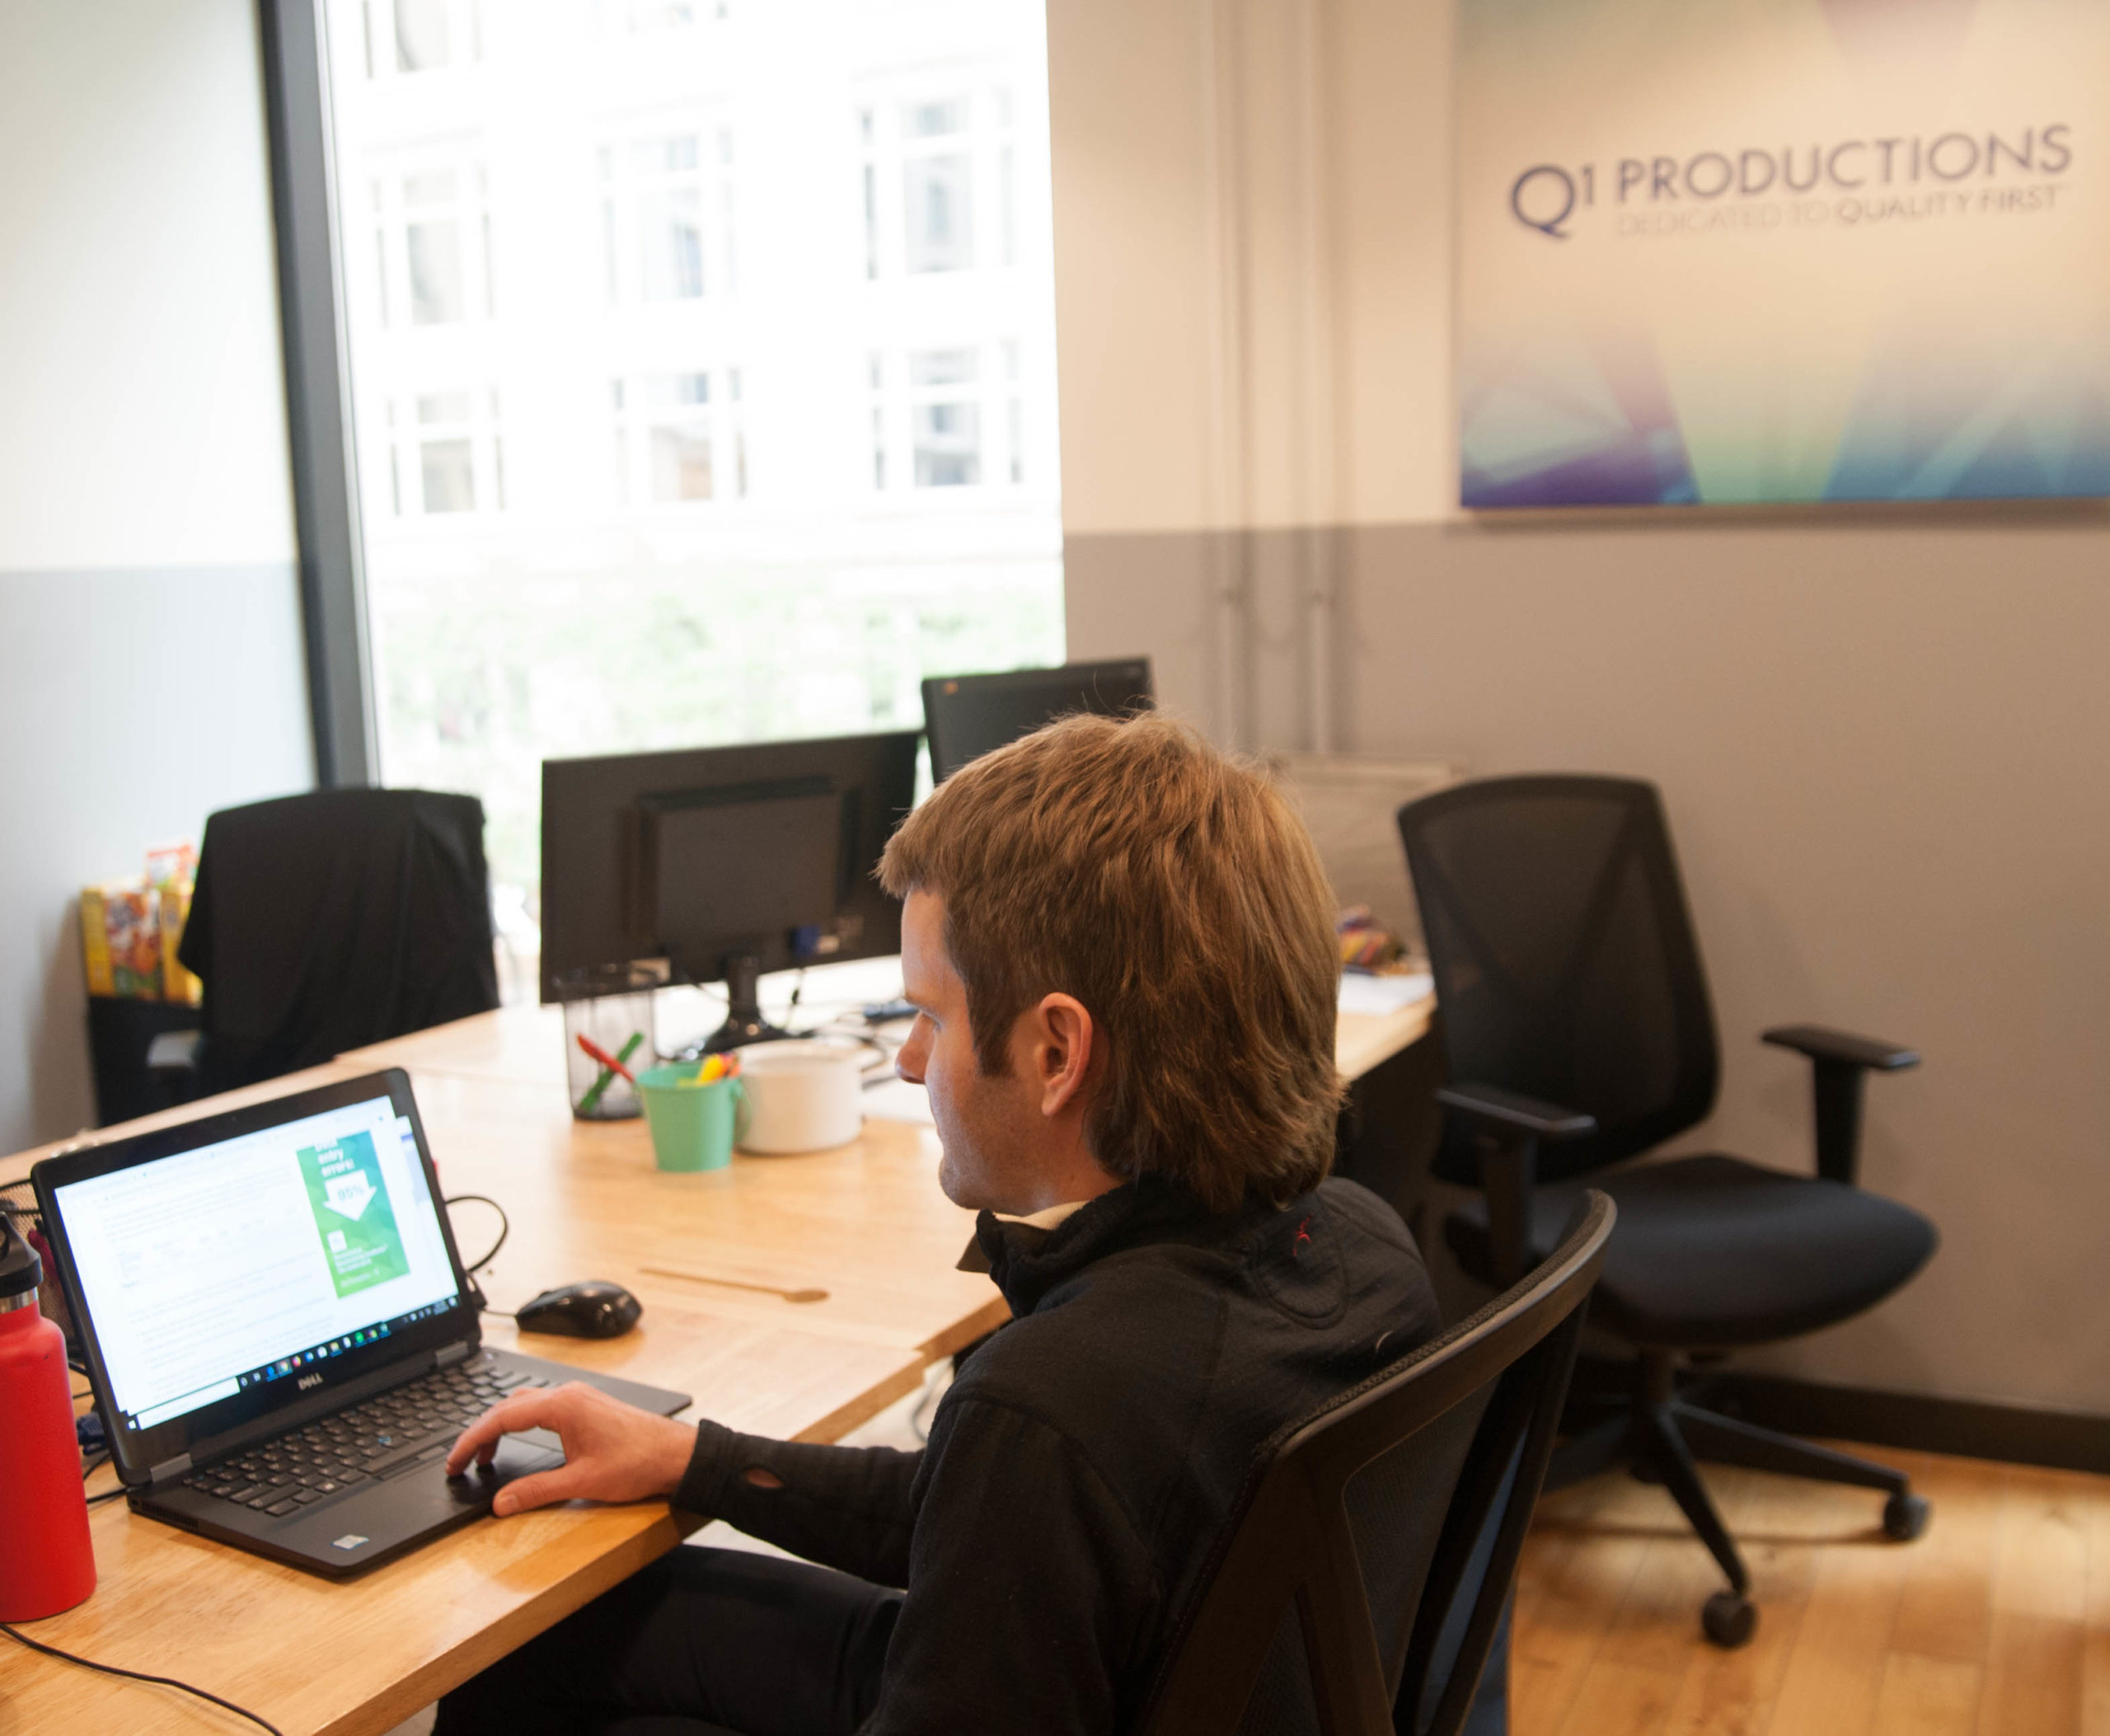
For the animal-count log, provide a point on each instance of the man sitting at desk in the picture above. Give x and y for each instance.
(1120, 946)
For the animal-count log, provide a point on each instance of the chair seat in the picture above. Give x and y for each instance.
(1711, 1252)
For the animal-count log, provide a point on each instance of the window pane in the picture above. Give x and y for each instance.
(948, 445)
(679, 388)
(420, 35)
(871, 221)
(450, 480)
(448, 407)
(673, 244)
(940, 367)
(930, 120)
(713, 510)
(435, 252)
(658, 156)
(937, 206)
(436, 187)
(680, 464)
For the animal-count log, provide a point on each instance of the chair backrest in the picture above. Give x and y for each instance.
(1322, 1610)
(325, 921)
(1564, 960)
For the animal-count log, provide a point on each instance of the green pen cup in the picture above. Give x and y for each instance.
(692, 1126)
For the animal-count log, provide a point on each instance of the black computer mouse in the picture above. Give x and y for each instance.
(593, 1309)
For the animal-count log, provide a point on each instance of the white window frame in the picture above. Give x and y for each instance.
(628, 187)
(378, 33)
(644, 400)
(886, 148)
(416, 419)
(996, 392)
(394, 213)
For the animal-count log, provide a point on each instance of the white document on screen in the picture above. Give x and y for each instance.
(201, 1267)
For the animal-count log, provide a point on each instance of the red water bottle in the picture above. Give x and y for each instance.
(46, 1561)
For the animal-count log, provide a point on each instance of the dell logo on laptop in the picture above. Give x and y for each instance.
(309, 1380)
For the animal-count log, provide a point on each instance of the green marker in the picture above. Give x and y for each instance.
(591, 1101)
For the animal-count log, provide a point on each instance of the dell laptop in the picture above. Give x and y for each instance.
(281, 1338)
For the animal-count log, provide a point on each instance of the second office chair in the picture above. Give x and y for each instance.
(1579, 1033)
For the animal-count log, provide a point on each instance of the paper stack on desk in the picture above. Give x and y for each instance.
(1376, 997)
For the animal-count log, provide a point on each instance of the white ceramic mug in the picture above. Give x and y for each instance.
(802, 1096)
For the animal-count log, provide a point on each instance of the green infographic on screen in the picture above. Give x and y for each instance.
(351, 1203)
(1749, 252)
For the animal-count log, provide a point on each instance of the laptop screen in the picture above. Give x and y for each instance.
(251, 1260)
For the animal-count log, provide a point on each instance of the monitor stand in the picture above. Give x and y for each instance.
(744, 1023)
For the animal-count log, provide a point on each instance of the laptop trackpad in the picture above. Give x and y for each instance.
(517, 1455)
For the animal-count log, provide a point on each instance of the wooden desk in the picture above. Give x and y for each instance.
(1363, 1041)
(525, 1044)
(866, 1223)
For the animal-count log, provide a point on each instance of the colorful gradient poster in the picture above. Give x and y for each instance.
(1744, 251)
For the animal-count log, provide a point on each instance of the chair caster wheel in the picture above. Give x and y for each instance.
(1904, 1516)
(1728, 1619)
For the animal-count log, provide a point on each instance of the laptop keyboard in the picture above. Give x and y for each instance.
(413, 1424)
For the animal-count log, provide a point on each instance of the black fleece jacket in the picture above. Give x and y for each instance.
(1078, 1470)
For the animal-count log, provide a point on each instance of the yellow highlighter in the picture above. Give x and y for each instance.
(713, 1069)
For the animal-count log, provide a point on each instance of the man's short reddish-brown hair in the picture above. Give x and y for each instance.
(1175, 893)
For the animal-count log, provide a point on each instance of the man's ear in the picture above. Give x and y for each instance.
(1063, 1040)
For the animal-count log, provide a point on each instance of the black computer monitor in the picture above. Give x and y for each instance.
(724, 861)
(967, 716)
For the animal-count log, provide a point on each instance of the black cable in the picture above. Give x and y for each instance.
(481, 1304)
(108, 1494)
(505, 1227)
(111, 1669)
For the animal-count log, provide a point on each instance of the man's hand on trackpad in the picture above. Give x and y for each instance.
(613, 1452)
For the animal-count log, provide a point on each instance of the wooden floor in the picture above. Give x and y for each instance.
(1995, 1622)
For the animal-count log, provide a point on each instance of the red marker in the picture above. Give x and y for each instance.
(604, 1057)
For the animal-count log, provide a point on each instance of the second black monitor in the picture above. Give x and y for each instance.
(966, 716)
(726, 861)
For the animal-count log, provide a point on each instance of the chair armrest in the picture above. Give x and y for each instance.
(1821, 1044)
(1507, 1127)
(1491, 1108)
(1839, 1061)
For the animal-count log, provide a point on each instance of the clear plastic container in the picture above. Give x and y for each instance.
(611, 1007)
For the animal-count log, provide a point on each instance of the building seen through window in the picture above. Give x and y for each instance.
(702, 372)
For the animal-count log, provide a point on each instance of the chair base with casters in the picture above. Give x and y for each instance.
(1660, 1437)
(1730, 1221)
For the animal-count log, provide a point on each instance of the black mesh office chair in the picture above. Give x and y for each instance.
(1361, 1527)
(325, 921)
(1577, 1030)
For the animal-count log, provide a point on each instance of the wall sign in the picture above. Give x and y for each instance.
(1736, 251)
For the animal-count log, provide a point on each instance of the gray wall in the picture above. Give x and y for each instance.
(1882, 743)
(151, 662)
(1882, 736)
(133, 704)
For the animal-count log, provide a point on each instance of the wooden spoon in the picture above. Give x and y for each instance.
(738, 1284)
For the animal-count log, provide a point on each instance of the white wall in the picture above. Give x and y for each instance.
(1252, 217)
(150, 649)
(1879, 736)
